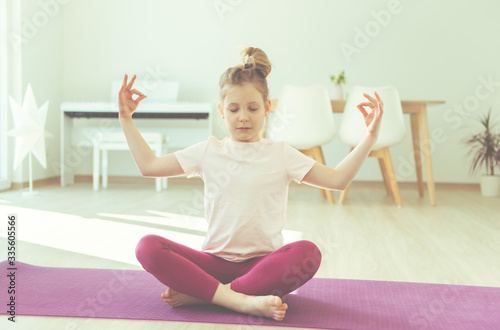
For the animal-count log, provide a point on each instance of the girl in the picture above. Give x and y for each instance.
(243, 264)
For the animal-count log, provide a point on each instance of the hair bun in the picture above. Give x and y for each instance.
(255, 69)
(249, 61)
(255, 58)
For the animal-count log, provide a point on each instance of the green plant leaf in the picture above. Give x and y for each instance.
(485, 146)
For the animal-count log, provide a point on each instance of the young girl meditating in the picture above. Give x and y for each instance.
(243, 264)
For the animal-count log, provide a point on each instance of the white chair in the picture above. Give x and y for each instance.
(103, 142)
(353, 129)
(303, 117)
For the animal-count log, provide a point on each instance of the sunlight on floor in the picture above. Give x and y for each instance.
(164, 218)
(91, 236)
(111, 236)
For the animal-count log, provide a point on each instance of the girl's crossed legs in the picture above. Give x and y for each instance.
(200, 274)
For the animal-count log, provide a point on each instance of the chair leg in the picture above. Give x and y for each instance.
(157, 147)
(95, 174)
(328, 192)
(164, 180)
(323, 193)
(343, 195)
(384, 176)
(388, 174)
(317, 155)
(105, 168)
(391, 175)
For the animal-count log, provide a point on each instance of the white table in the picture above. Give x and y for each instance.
(73, 147)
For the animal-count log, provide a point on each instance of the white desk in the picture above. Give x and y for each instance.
(75, 147)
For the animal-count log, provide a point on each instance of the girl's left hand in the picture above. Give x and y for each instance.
(373, 119)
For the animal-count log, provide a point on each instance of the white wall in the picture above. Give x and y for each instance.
(429, 50)
(40, 46)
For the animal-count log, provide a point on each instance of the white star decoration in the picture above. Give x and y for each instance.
(29, 131)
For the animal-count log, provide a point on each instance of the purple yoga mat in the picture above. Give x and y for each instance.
(320, 303)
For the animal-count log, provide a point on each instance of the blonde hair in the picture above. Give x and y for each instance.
(255, 69)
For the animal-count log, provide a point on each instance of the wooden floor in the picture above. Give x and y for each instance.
(455, 242)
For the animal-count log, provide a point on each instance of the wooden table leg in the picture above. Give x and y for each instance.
(417, 152)
(426, 150)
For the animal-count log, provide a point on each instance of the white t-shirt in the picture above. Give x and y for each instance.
(246, 192)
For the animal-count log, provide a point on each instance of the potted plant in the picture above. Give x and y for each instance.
(485, 153)
(338, 80)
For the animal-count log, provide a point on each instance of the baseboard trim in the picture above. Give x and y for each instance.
(36, 183)
(133, 179)
(184, 180)
(413, 185)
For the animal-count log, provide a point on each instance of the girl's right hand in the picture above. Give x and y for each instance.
(126, 104)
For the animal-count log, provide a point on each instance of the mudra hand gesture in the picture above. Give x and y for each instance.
(374, 118)
(126, 104)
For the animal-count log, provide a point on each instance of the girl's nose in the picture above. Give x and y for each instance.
(244, 117)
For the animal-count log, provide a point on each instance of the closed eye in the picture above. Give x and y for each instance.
(251, 109)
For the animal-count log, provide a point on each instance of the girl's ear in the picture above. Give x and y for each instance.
(267, 107)
(221, 110)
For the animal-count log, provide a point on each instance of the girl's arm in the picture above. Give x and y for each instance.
(148, 163)
(340, 177)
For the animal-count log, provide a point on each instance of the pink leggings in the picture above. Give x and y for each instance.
(198, 273)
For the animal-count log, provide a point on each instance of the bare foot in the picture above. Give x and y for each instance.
(268, 306)
(177, 299)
